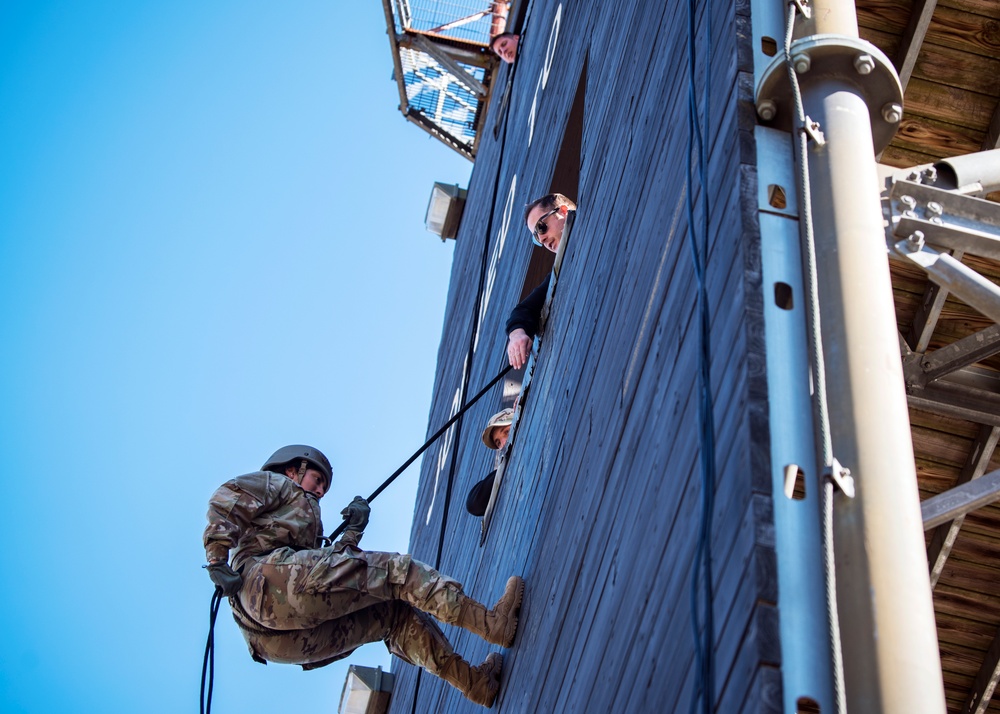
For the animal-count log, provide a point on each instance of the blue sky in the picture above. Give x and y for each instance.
(212, 244)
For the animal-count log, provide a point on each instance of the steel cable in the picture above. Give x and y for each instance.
(817, 364)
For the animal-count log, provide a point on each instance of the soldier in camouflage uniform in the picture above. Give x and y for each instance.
(299, 603)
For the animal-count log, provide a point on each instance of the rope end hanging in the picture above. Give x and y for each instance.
(208, 663)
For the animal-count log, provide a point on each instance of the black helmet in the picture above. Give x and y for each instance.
(297, 452)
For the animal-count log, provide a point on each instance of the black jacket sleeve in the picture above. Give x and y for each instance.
(528, 312)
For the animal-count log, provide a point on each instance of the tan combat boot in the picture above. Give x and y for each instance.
(499, 625)
(479, 684)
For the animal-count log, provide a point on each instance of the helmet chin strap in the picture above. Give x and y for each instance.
(302, 470)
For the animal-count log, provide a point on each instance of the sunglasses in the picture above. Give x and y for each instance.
(541, 228)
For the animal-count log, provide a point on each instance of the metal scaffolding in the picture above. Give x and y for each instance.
(443, 66)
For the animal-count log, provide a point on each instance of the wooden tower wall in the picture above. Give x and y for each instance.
(600, 508)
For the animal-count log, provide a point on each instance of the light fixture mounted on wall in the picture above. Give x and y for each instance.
(444, 211)
(366, 691)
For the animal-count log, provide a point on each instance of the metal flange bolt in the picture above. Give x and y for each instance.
(766, 109)
(915, 240)
(816, 58)
(864, 63)
(908, 205)
(892, 112)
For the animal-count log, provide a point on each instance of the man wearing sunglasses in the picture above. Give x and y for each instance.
(545, 218)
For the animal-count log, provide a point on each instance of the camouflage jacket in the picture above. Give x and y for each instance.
(259, 512)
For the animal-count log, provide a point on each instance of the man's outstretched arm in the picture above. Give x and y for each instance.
(522, 325)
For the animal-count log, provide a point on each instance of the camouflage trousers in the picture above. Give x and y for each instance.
(326, 602)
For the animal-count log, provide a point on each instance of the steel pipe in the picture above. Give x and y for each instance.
(891, 659)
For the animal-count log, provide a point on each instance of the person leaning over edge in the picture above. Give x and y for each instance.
(298, 603)
(504, 46)
(546, 220)
(495, 436)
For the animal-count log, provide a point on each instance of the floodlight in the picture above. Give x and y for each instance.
(366, 691)
(444, 211)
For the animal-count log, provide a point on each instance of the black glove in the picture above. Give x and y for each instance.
(356, 514)
(227, 579)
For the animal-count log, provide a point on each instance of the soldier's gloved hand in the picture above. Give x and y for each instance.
(228, 580)
(356, 514)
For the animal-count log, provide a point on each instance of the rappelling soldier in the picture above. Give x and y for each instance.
(300, 602)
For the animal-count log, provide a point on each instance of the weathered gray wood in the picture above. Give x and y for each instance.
(962, 353)
(913, 38)
(957, 401)
(943, 538)
(926, 317)
(600, 507)
(982, 689)
(960, 500)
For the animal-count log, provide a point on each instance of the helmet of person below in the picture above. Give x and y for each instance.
(503, 418)
(297, 452)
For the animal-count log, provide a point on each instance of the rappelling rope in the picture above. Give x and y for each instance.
(422, 449)
(701, 579)
(208, 664)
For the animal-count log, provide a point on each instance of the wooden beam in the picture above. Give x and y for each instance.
(943, 538)
(961, 353)
(913, 38)
(956, 401)
(926, 316)
(981, 691)
(960, 500)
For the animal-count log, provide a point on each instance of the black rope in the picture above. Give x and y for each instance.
(208, 664)
(422, 449)
(701, 580)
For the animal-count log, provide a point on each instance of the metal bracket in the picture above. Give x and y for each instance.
(841, 478)
(803, 7)
(945, 218)
(922, 215)
(812, 129)
(960, 280)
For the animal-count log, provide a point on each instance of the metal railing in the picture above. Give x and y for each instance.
(443, 65)
(474, 21)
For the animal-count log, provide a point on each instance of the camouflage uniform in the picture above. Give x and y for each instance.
(305, 604)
